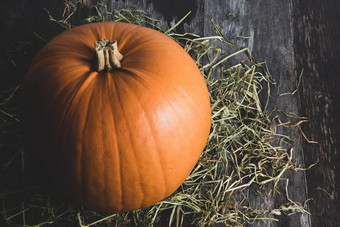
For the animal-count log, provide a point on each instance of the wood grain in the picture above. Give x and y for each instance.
(317, 51)
(270, 38)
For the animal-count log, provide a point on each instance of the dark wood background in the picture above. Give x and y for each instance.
(291, 35)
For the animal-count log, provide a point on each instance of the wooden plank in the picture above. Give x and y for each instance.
(317, 51)
(268, 25)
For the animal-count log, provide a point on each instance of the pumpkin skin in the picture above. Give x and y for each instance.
(119, 140)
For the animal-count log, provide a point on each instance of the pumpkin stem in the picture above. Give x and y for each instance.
(108, 56)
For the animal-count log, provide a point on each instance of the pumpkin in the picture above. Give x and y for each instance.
(117, 113)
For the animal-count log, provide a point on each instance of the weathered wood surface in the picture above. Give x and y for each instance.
(268, 24)
(291, 35)
(317, 51)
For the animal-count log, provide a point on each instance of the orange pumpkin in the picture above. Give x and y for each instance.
(121, 134)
